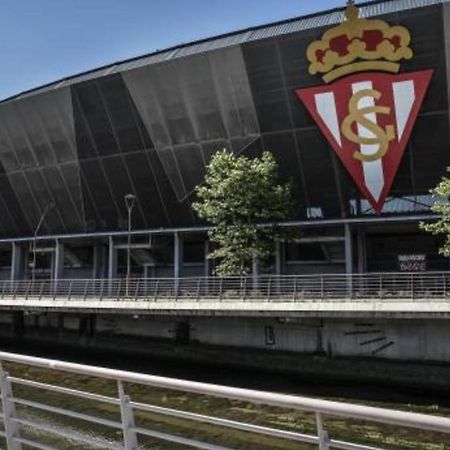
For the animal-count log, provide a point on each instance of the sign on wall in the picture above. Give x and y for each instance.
(365, 109)
(412, 263)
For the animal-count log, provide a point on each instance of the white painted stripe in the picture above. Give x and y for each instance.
(373, 170)
(404, 97)
(326, 107)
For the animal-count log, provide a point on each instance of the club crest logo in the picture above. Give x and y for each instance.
(366, 109)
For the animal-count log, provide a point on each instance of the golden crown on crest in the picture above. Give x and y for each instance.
(357, 45)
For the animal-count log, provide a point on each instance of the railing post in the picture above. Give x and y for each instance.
(156, 290)
(102, 285)
(243, 287)
(198, 289)
(220, 289)
(69, 294)
(444, 284)
(41, 290)
(268, 287)
(126, 411)
(136, 293)
(28, 290)
(295, 289)
(118, 288)
(412, 287)
(86, 288)
(176, 288)
(322, 293)
(324, 440)
(12, 430)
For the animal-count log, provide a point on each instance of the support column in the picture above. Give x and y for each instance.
(348, 249)
(177, 255)
(58, 258)
(98, 261)
(255, 272)
(278, 259)
(207, 260)
(348, 259)
(17, 262)
(361, 250)
(278, 264)
(112, 259)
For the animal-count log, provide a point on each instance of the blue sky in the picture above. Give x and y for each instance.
(44, 40)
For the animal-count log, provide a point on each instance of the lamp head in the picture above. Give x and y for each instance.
(129, 200)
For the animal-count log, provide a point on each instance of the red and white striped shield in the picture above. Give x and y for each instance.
(367, 118)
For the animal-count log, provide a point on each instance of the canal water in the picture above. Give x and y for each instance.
(389, 396)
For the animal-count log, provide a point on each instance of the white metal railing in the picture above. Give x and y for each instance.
(14, 422)
(378, 286)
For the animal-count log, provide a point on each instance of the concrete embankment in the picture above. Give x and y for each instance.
(405, 352)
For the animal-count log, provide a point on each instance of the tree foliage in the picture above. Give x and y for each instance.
(441, 207)
(240, 198)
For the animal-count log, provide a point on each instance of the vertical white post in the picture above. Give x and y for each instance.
(324, 440)
(9, 412)
(129, 435)
(59, 261)
(112, 260)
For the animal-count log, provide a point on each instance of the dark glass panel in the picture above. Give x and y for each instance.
(104, 203)
(25, 197)
(43, 197)
(151, 199)
(316, 156)
(13, 206)
(127, 126)
(282, 146)
(427, 37)
(430, 151)
(180, 213)
(263, 67)
(120, 184)
(69, 210)
(93, 112)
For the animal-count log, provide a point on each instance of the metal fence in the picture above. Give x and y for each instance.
(15, 422)
(389, 286)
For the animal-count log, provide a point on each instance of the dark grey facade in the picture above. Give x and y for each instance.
(149, 126)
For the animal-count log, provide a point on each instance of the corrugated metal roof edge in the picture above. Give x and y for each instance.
(179, 47)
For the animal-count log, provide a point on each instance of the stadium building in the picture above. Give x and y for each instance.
(355, 110)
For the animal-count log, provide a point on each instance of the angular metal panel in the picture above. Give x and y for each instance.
(36, 140)
(192, 105)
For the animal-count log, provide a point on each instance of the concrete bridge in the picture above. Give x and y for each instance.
(375, 295)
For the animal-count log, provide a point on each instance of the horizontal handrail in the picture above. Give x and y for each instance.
(378, 286)
(13, 420)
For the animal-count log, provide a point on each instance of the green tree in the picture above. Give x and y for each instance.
(241, 197)
(441, 207)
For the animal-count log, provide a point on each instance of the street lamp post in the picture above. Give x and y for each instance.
(130, 199)
(36, 231)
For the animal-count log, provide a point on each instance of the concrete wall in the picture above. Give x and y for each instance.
(412, 340)
(396, 340)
